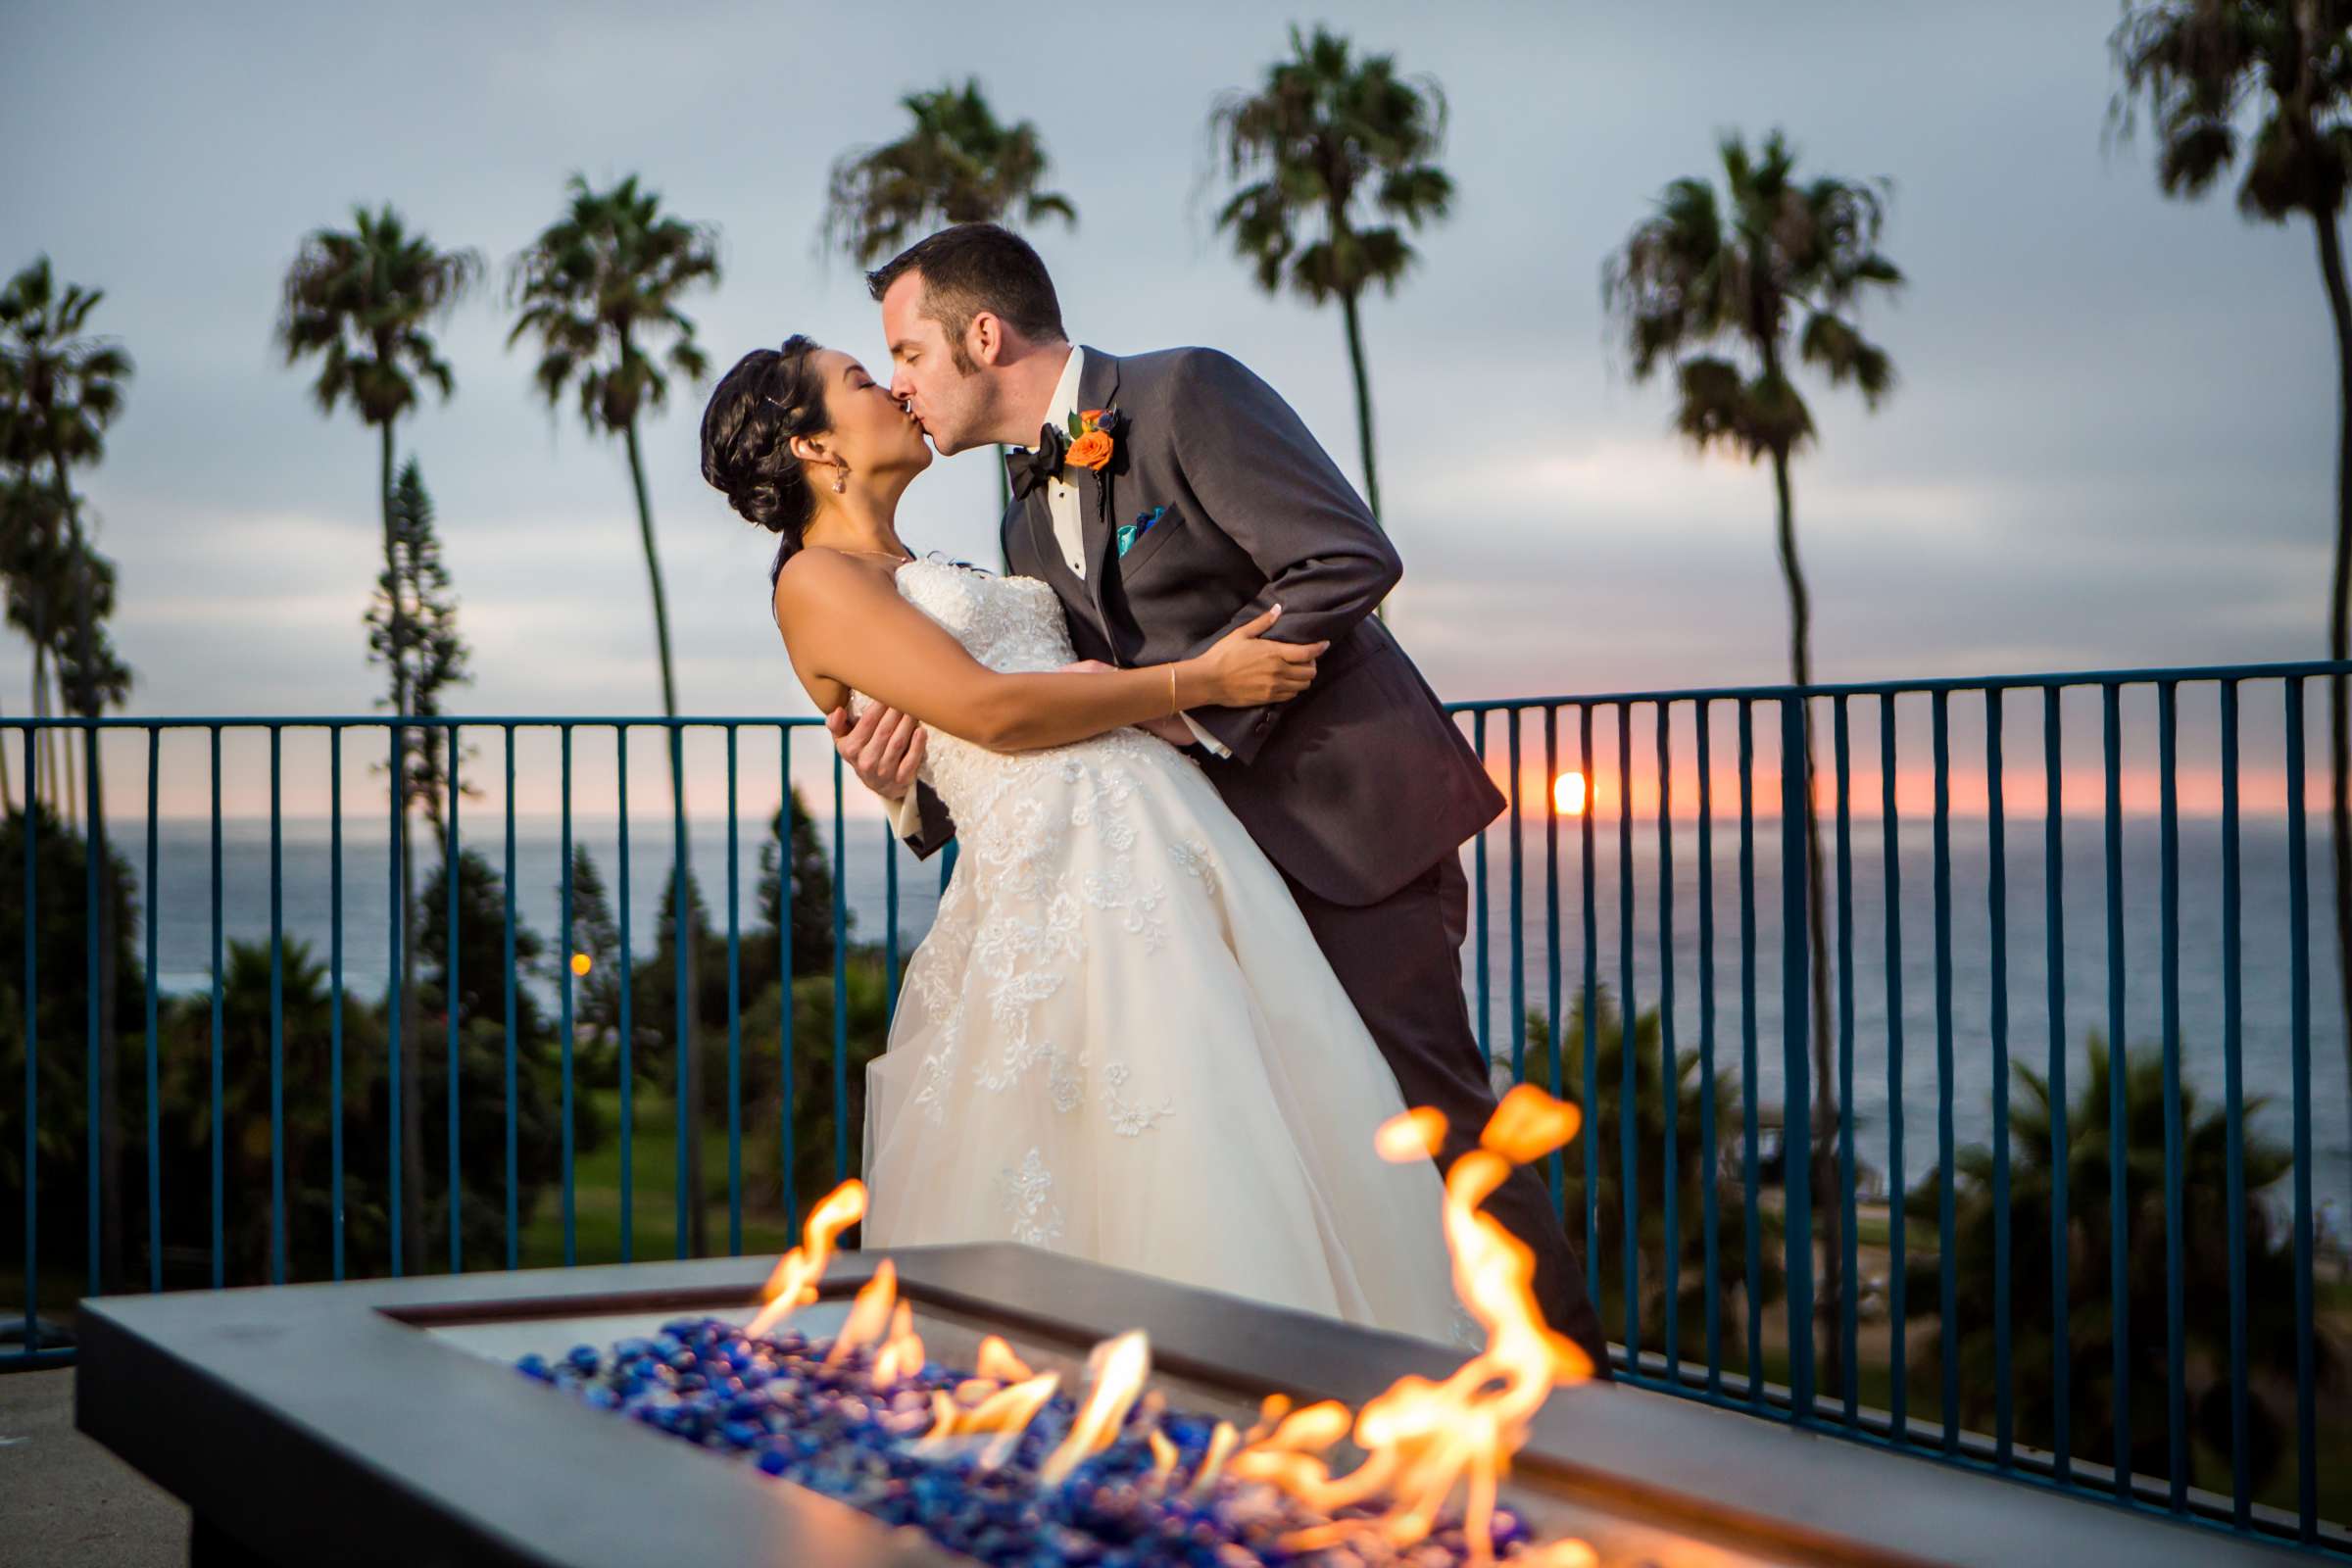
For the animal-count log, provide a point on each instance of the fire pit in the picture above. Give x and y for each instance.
(384, 1422)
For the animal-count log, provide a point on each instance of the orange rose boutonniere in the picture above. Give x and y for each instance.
(1093, 442)
(1095, 446)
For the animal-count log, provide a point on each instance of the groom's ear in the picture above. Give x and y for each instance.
(984, 338)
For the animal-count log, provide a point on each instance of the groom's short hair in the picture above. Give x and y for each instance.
(974, 268)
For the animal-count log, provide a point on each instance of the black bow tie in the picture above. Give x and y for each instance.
(1027, 471)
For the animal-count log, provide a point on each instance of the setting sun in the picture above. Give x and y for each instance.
(1568, 794)
(582, 964)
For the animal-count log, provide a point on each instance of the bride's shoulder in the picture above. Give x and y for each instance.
(815, 567)
(816, 576)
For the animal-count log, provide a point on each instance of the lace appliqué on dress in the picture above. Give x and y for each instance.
(1027, 1194)
(1127, 1118)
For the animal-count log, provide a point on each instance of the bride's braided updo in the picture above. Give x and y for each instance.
(759, 407)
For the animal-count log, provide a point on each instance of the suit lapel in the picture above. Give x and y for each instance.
(1098, 384)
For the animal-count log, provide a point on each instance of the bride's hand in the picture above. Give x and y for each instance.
(1244, 671)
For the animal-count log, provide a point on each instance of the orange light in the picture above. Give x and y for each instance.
(582, 964)
(1568, 794)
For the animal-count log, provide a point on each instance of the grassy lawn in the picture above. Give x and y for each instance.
(654, 1156)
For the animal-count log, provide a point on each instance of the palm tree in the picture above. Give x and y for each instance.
(360, 300)
(1696, 1168)
(596, 289)
(2089, 1366)
(64, 388)
(1331, 153)
(58, 391)
(1705, 284)
(2207, 67)
(956, 163)
(593, 288)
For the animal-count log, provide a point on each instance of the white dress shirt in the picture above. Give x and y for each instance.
(1062, 503)
(1069, 537)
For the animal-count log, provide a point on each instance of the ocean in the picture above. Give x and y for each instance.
(183, 942)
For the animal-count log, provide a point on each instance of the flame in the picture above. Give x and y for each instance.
(1423, 1441)
(1121, 1368)
(793, 1282)
(1163, 1458)
(1529, 1124)
(1005, 1412)
(1416, 1134)
(999, 1364)
(869, 1316)
(1270, 1411)
(1020, 1406)
(1563, 1554)
(901, 1355)
(1212, 1463)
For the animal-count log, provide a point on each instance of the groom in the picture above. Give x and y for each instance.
(1192, 500)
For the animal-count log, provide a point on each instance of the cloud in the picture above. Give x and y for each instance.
(2111, 441)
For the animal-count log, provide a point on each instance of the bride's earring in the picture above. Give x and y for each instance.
(841, 477)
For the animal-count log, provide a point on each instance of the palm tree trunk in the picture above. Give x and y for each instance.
(2339, 610)
(1363, 416)
(68, 795)
(1363, 400)
(44, 760)
(1822, 1156)
(682, 927)
(86, 702)
(411, 1131)
(652, 572)
(36, 776)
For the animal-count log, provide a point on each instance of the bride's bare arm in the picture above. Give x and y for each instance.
(847, 623)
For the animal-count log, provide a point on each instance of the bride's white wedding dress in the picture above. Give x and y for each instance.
(1119, 1040)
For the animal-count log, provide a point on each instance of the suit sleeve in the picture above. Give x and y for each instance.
(921, 819)
(1269, 485)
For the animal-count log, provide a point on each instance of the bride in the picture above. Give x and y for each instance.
(1119, 1040)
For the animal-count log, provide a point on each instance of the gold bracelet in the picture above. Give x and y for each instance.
(1173, 706)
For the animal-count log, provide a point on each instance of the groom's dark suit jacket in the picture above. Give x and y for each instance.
(1361, 783)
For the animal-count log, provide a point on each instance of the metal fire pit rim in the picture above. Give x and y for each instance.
(1769, 1488)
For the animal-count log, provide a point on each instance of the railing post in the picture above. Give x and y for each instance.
(29, 844)
(452, 1001)
(1797, 1113)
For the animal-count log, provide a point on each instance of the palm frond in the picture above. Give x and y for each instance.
(598, 282)
(956, 163)
(1325, 147)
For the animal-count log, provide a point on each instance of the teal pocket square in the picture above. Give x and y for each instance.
(1130, 532)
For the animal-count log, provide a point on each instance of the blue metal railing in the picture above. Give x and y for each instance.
(1727, 1249)
(2171, 1461)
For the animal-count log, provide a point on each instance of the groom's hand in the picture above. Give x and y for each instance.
(884, 749)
